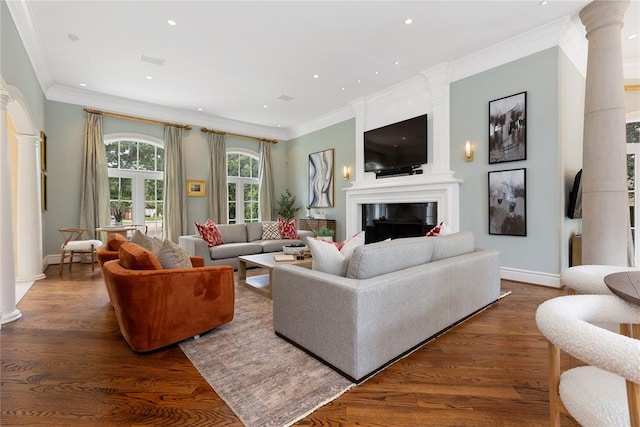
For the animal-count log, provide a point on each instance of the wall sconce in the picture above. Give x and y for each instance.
(346, 172)
(468, 152)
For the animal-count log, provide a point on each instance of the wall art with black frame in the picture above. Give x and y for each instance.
(508, 202)
(507, 128)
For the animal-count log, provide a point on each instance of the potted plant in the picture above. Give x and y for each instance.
(324, 233)
(118, 212)
(285, 206)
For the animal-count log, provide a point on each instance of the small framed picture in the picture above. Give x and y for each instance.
(195, 187)
(507, 128)
(507, 202)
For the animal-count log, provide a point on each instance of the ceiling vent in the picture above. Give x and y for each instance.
(152, 60)
(286, 97)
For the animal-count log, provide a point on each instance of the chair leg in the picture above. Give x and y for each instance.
(93, 258)
(61, 262)
(554, 382)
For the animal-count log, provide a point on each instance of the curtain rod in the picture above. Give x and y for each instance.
(631, 87)
(137, 119)
(219, 132)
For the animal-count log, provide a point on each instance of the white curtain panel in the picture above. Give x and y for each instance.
(266, 182)
(174, 220)
(94, 199)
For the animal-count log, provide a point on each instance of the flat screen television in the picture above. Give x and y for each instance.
(397, 146)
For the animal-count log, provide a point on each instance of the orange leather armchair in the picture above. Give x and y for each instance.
(157, 307)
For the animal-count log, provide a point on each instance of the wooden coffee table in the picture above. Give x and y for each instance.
(262, 283)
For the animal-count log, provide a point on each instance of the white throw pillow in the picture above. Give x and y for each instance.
(327, 258)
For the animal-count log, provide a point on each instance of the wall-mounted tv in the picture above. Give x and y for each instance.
(396, 147)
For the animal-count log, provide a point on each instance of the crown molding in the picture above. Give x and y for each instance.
(574, 44)
(147, 110)
(23, 19)
(326, 120)
(525, 44)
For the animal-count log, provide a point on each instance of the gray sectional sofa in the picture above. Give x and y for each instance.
(397, 295)
(239, 239)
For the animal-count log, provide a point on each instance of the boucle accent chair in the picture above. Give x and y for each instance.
(589, 279)
(156, 307)
(606, 393)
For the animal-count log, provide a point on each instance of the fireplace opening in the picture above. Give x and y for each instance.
(381, 221)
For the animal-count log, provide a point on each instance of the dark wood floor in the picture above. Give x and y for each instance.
(65, 363)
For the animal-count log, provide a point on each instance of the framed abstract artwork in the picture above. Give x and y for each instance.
(507, 202)
(321, 181)
(507, 128)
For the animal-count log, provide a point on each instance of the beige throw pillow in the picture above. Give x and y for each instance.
(173, 256)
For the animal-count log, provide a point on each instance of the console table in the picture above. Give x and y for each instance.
(312, 224)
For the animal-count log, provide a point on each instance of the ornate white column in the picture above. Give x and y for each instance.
(29, 221)
(8, 309)
(605, 204)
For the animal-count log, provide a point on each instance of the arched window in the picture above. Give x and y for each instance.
(243, 186)
(136, 164)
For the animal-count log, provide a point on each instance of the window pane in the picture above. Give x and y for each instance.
(255, 165)
(232, 212)
(114, 188)
(633, 132)
(146, 159)
(245, 166)
(128, 154)
(112, 154)
(159, 159)
(233, 167)
(125, 189)
(232, 192)
(631, 180)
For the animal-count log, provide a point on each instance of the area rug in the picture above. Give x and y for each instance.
(263, 379)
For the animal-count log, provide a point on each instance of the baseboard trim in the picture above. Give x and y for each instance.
(531, 277)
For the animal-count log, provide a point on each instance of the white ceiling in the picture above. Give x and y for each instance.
(231, 58)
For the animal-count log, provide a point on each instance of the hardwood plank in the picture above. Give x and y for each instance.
(65, 363)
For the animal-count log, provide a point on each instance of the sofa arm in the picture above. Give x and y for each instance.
(317, 311)
(195, 246)
(304, 234)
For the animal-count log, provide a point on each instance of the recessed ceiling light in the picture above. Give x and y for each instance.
(632, 36)
(376, 72)
(396, 63)
(543, 3)
(265, 106)
(408, 21)
(148, 77)
(343, 89)
(73, 37)
(200, 109)
(358, 81)
(279, 125)
(316, 76)
(172, 22)
(83, 84)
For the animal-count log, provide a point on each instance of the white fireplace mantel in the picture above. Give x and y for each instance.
(442, 188)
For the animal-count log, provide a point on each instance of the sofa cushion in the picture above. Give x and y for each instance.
(232, 250)
(287, 229)
(328, 258)
(114, 241)
(254, 231)
(233, 233)
(270, 231)
(210, 233)
(135, 257)
(173, 256)
(142, 240)
(452, 245)
(388, 256)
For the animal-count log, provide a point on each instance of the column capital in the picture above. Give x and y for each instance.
(602, 13)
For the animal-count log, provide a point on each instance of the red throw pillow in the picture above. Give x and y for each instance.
(210, 233)
(438, 230)
(287, 229)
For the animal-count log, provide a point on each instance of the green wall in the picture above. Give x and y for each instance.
(536, 74)
(340, 137)
(16, 68)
